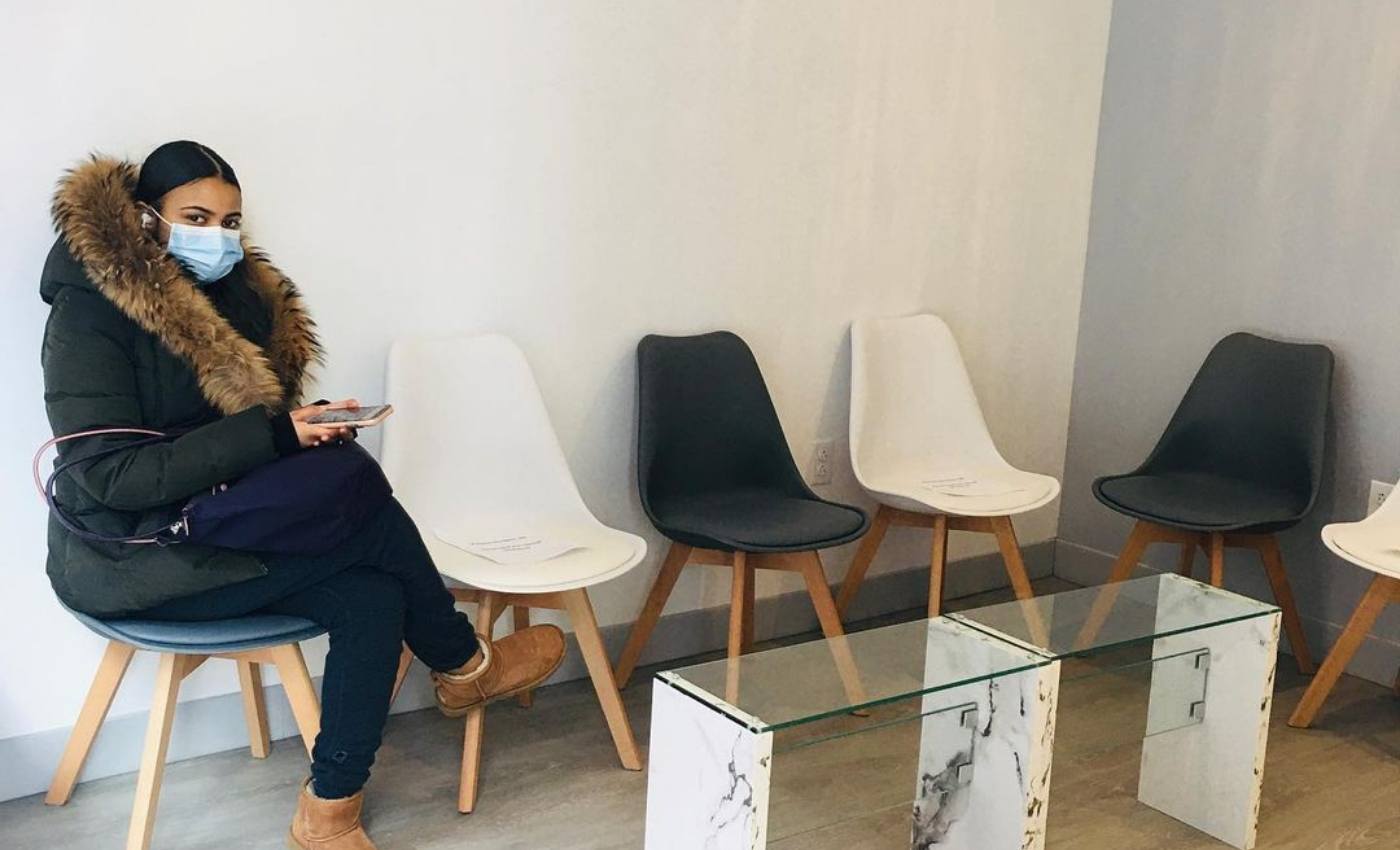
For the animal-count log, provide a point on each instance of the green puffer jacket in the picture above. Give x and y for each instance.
(131, 341)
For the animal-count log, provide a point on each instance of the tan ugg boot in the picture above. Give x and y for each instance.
(515, 663)
(328, 824)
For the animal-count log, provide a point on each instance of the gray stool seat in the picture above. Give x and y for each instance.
(208, 637)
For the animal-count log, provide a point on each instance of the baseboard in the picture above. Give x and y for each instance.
(1374, 660)
(215, 724)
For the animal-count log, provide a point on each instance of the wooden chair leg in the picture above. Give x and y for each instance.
(1138, 540)
(937, 565)
(405, 662)
(738, 595)
(1187, 560)
(1020, 579)
(595, 657)
(254, 707)
(676, 558)
(1382, 591)
(865, 556)
(470, 783)
(301, 693)
(1283, 594)
(750, 602)
(1216, 552)
(740, 581)
(143, 813)
(104, 686)
(520, 620)
(820, 591)
(474, 727)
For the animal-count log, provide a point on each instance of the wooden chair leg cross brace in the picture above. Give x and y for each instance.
(941, 524)
(1214, 545)
(741, 607)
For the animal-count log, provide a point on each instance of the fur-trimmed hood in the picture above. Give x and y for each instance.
(99, 222)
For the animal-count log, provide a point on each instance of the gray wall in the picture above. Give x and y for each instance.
(1248, 177)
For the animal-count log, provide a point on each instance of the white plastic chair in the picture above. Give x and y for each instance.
(920, 447)
(470, 450)
(1372, 544)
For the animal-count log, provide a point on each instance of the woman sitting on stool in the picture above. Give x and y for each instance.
(163, 316)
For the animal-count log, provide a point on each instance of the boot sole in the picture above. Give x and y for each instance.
(292, 843)
(463, 711)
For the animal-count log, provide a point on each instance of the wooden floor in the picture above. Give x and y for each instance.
(551, 781)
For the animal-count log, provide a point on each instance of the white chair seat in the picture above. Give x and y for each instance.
(1370, 544)
(907, 490)
(604, 553)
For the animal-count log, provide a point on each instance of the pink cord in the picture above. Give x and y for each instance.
(39, 455)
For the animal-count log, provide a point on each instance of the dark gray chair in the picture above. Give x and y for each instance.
(1240, 460)
(716, 477)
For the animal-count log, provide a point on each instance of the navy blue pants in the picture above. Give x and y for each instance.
(374, 592)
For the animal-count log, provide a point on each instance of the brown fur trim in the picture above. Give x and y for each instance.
(95, 214)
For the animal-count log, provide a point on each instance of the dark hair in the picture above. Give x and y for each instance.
(174, 164)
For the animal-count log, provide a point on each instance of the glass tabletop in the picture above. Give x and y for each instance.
(780, 688)
(1079, 622)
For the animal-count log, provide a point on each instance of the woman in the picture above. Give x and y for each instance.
(163, 316)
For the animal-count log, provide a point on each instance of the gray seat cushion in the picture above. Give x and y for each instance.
(1203, 502)
(757, 521)
(210, 636)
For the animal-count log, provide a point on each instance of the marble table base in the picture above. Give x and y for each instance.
(1209, 773)
(984, 764)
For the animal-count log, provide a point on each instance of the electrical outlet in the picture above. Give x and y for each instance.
(822, 460)
(1380, 491)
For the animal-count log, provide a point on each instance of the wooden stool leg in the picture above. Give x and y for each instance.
(1216, 550)
(99, 699)
(1138, 540)
(865, 556)
(1283, 595)
(254, 707)
(143, 812)
(405, 662)
(301, 693)
(595, 657)
(475, 725)
(676, 558)
(520, 620)
(937, 565)
(1383, 590)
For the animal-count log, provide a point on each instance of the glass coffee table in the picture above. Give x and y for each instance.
(981, 690)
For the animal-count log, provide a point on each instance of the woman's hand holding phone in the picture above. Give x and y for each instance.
(309, 434)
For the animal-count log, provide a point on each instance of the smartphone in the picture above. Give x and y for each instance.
(363, 416)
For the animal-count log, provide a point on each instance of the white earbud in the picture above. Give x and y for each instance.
(147, 219)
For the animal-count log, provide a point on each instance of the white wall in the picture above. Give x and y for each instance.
(576, 175)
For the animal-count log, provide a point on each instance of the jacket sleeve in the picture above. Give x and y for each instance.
(90, 382)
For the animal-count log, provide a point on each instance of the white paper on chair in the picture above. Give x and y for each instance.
(507, 548)
(970, 485)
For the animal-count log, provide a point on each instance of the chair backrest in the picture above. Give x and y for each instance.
(705, 421)
(1256, 411)
(470, 436)
(911, 399)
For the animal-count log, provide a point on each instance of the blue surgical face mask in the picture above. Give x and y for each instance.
(208, 252)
